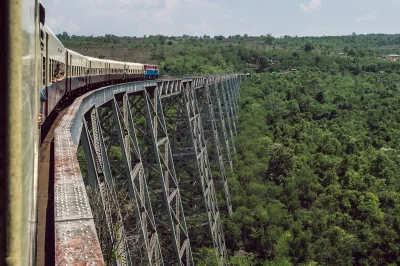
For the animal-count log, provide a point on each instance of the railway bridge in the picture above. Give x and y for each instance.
(135, 173)
(132, 166)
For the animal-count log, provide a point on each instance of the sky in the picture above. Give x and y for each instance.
(222, 17)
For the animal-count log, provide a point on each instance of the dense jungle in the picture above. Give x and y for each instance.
(317, 169)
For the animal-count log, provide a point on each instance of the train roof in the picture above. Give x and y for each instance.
(54, 37)
(75, 53)
(114, 62)
(96, 59)
(134, 64)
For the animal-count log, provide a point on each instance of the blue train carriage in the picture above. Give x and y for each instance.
(115, 71)
(77, 72)
(134, 71)
(150, 72)
(97, 72)
(53, 70)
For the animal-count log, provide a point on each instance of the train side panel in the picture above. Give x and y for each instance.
(53, 64)
(116, 71)
(77, 71)
(97, 72)
(134, 71)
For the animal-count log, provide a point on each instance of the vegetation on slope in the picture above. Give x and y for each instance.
(317, 183)
(316, 177)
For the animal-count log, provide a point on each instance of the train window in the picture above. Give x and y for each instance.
(50, 69)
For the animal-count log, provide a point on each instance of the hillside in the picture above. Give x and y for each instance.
(187, 55)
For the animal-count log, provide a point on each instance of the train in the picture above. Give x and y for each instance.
(65, 73)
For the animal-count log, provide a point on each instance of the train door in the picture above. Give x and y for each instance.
(90, 72)
(109, 72)
(46, 71)
(66, 71)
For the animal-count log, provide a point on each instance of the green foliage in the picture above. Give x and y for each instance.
(318, 168)
(208, 257)
(308, 47)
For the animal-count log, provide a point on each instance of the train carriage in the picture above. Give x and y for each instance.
(77, 71)
(97, 72)
(134, 71)
(150, 71)
(116, 71)
(53, 70)
(65, 73)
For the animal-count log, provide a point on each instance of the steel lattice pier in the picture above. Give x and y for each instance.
(133, 172)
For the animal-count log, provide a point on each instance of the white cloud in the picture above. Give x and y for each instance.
(368, 16)
(396, 2)
(313, 5)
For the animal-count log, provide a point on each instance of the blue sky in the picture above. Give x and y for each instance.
(223, 17)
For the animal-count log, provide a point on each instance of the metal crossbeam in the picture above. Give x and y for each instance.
(210, 130)
(136, 179)
(163, 166)
(101, 183)
(204, 174)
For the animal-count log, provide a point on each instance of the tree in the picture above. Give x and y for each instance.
(268, 40)
(280, 163)
(308, 47)
(63, 36)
